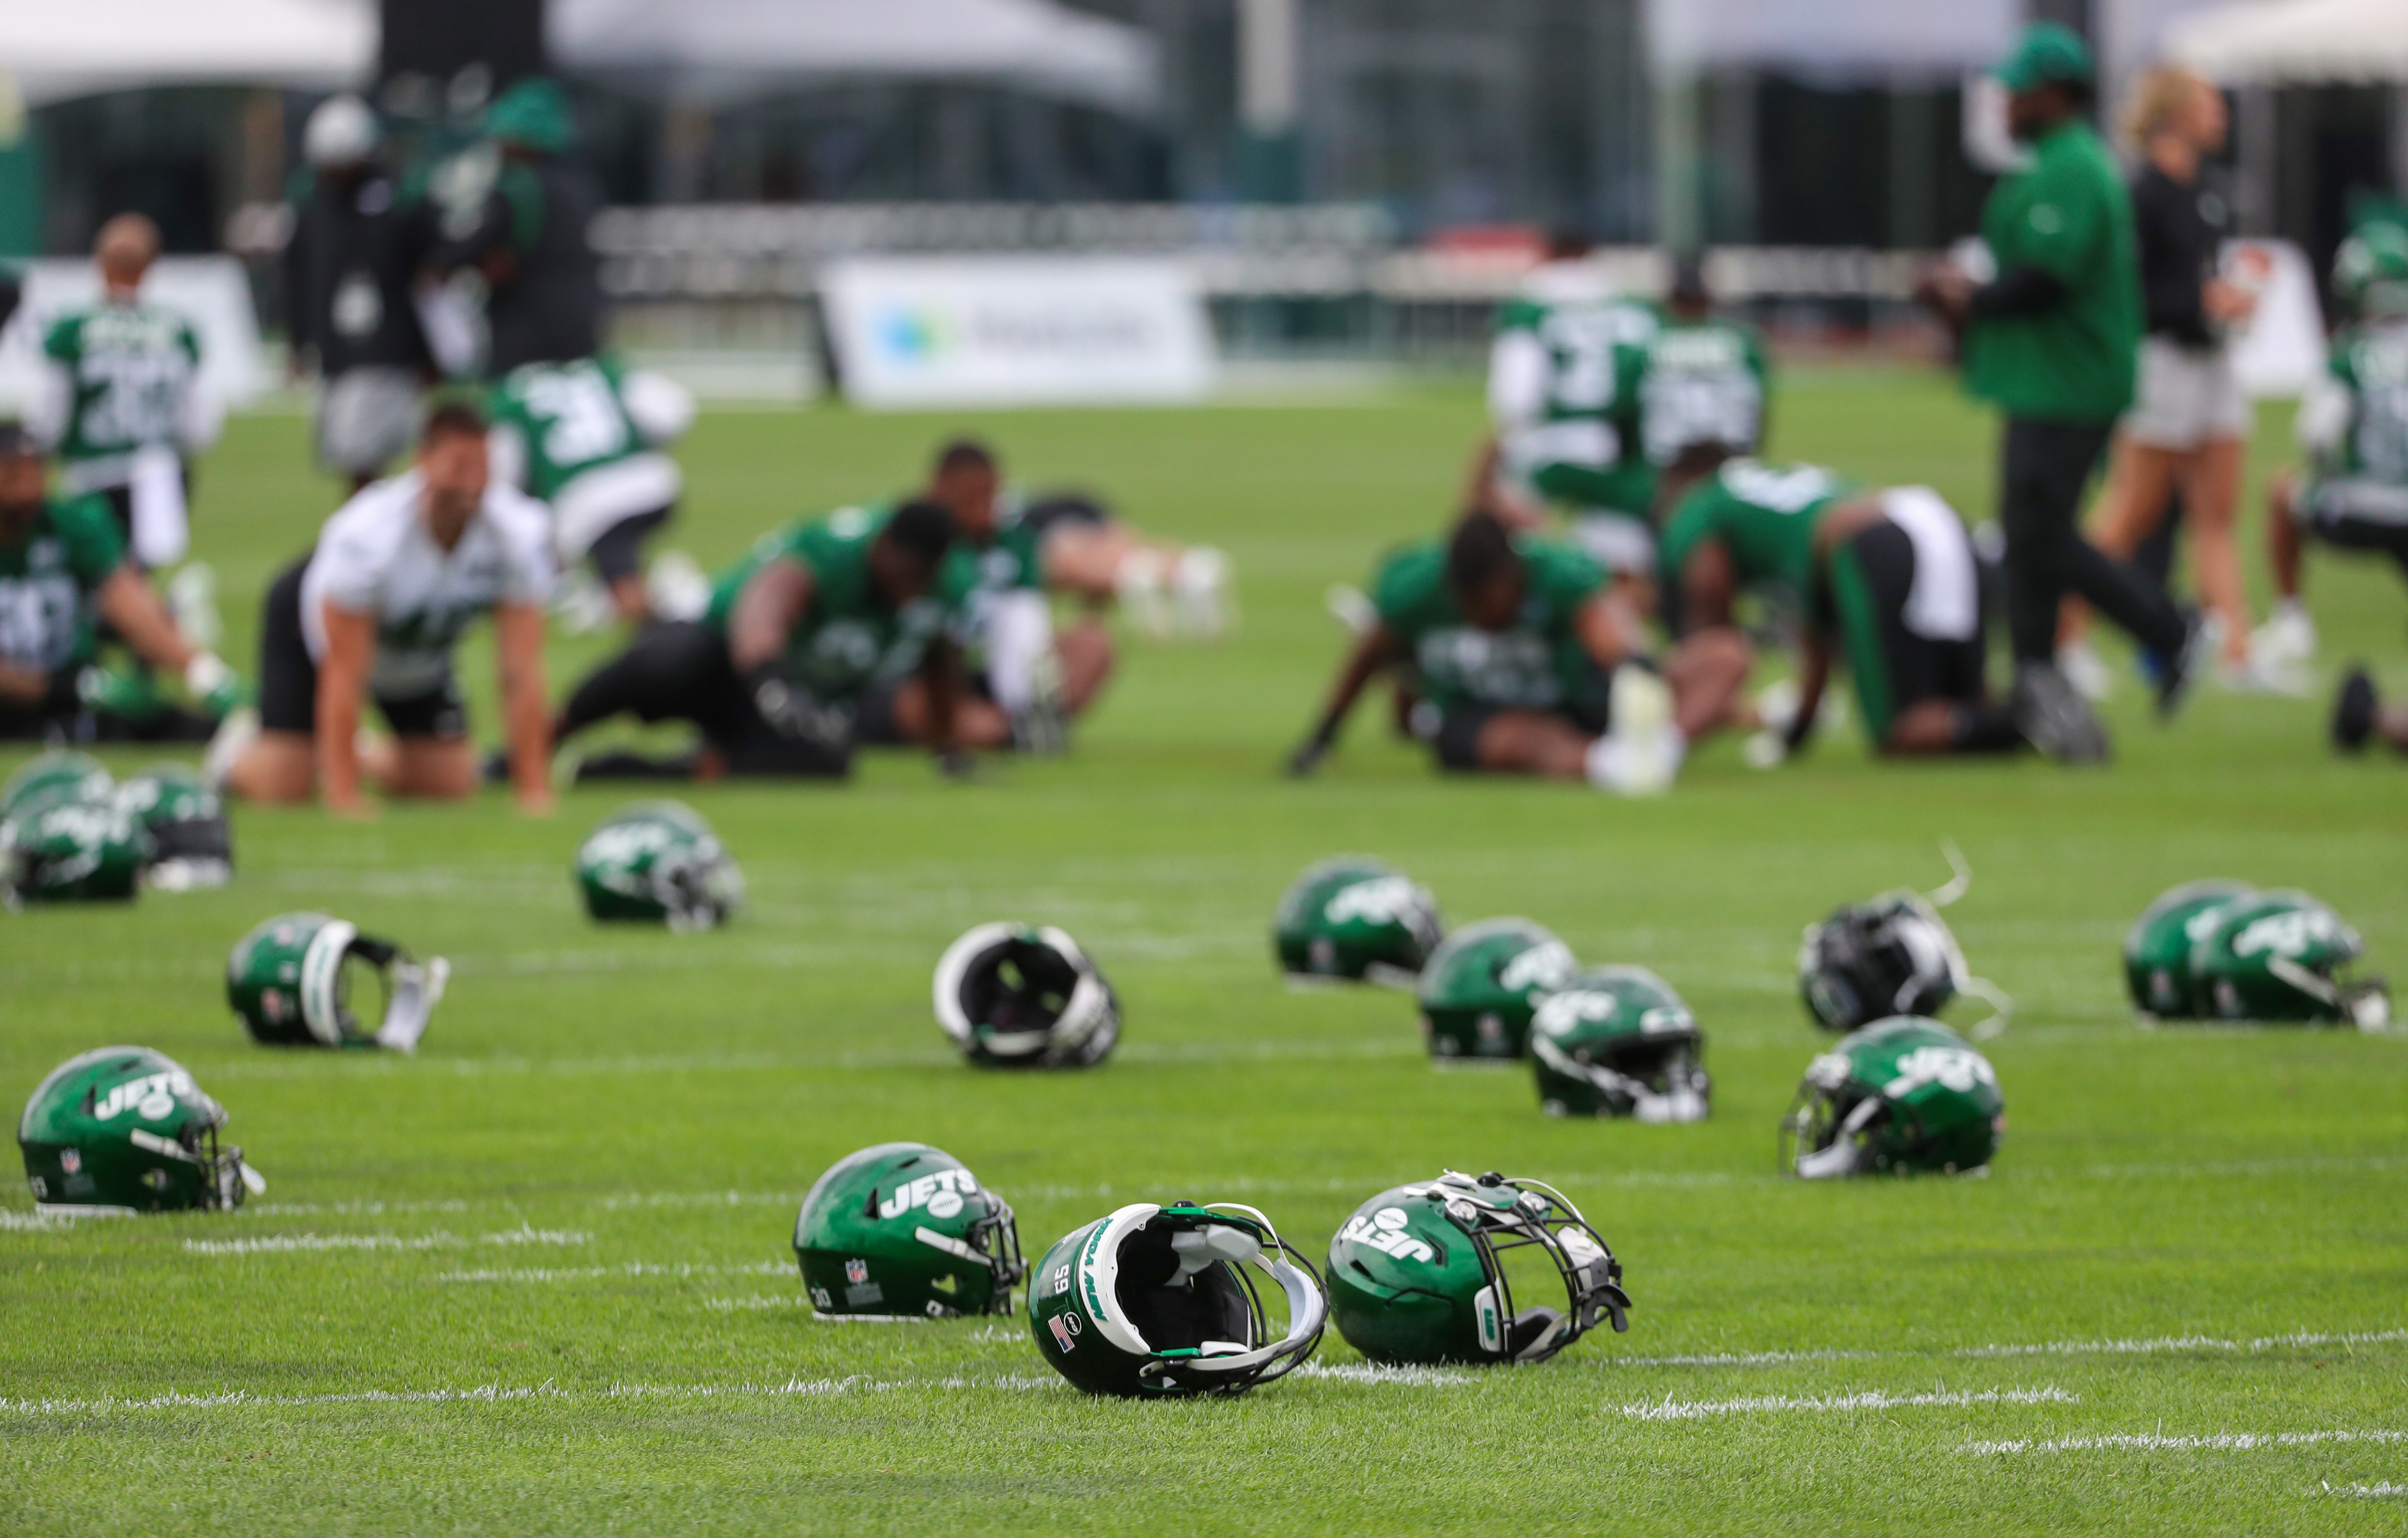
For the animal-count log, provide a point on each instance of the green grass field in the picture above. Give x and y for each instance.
(537, 1279)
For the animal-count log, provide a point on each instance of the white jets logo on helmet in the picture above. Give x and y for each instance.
(941, 1193)
(150, 1097)
(1540, 967)
(1954, 1068)
(1378, 901)
(2287, 933)
(1385, 1232)
(1562, 1012)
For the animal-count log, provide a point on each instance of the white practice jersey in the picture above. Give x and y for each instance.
(376, 558)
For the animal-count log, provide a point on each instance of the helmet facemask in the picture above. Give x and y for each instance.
(1536, 1237)
(1015, 996)
(993, 1242)
(698, 888)
(1656, 1078)
(1833, 1130)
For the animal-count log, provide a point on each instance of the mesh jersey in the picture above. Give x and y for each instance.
(849, 638)
(1705, 382)
(48, 580)
(2354, 420)
(129, 367)
(1564, 390)
(1537, 664)
(1764, 515)
(571, 417)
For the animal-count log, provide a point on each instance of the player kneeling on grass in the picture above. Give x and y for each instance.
(800, 638)
(1526, 662)
(63, 570)
(399, 573)
(1888, 580)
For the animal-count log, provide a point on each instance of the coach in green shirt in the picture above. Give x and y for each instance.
(2054, 341)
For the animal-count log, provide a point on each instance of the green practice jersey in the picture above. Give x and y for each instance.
(1537, 664)
(2354, 420)
(129, 369)
(1764, 515)
(1706, 381)
(48, 581)
(1564, 390)
(849, 639)
(570, 417)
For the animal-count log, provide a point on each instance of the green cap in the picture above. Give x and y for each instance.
(534, 112)
(2047, 54)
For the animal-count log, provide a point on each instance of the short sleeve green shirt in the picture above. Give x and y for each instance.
(1538, 663)
(49, 579)
(1764, 514)
(2069, 215)
(849, 639)
(129, 367)
(2369, 365)
(570, 417)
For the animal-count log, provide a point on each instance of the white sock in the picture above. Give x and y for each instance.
(1019, 630)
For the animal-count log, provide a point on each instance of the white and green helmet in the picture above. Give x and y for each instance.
(192, 842)
(72, 848)
(52, 776)
(126, 1129)
(658, 862)
(1023, 995)
(290, 981)
(2285, 956)
(1356, 919)
(1476, 991)
(1618, 1042)
(1160, 1300)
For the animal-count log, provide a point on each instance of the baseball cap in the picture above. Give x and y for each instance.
(2046, 54)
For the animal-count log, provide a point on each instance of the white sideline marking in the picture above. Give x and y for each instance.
(2363, 1492)
(496, 1393)
(51, 1219)
(1825, 1404)
(2218, 1441)
(1407, 1377)
(299, 1243)
(1743, 1358)
(757, 1300)
(2186, 1343)
(632, 1267)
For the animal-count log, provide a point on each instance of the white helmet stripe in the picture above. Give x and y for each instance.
(322, 968)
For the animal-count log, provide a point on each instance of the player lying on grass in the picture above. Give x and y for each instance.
(375, 612)
(1886, 580)
(2353, 427)
(802, 639)
(585, 439)
(63, 571)
(1526, 665)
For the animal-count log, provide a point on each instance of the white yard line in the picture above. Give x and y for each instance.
(1872, 1399)
(291, 1243)
(2146, 1442)
(496, 1393)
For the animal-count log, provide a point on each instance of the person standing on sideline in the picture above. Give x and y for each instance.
(526, 235)
(2187, 431)
(2052, 340)
(357, 244)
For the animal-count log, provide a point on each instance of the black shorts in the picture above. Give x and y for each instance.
(288, 678)
(2358, 514)
(1863, 599)
(678, 670)
(618, 552)
(1454, 731)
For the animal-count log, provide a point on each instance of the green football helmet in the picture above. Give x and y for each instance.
(1155, 1301)
(1011, 996)
(2284, 956)
(1356, 918)
(2371, 272)
(192, 842)
(1618, 1042)
(53, 777)
(2158, 947)
(1418, 1275)
(1898, 1096)
(73, 851)
(290, 981)
(125, 1128)
(904, 1231)
(1480, 984)
(658, 862)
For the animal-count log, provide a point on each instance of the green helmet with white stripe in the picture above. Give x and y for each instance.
(901, 1230)
(2158, 947)
(1356, 918)
(125, 1128)
(2285, 956)
(1160, 1300)
(1618, 1042)
(76, 849)
(52, 778)
(1477, 992)
(291, 979)
(1899, 1097)
(658, 862)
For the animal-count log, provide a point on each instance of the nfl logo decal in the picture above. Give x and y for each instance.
(1066, 1330)
(856, 1272)
(70, 1160)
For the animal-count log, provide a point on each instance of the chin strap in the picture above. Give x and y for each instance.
(1680, 1105)
(2002, 1008)
(1308, 1309)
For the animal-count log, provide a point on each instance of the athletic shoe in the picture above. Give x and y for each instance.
(2259, 675)
(1351, 607)
(1039, 728)
(1642, 755)
(2288, 636)
(2082, 667)
(1199, 589)
(2199, 642)
(676, 586)
(233, 738)
(2053, 718)
(2352, 717)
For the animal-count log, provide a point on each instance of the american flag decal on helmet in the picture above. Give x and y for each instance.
(1066, 1331)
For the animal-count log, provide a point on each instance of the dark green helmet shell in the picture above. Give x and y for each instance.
(1415, 1274)
(1618, 1042)
(2158, 947)
(52, 776)
(1016, 996)
(2371, 272)
(75, 850)
(904, 1231)
(126, 1127)
(658, 862)
(1900, 1096)
(290, 981)
(2285, 956)
(1150, 1301)
(1479, 986)
(1355, 917)
(192, 842)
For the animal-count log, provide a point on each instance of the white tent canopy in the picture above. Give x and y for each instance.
(57, 48)
(1875, 40)
(2284, 42)
(719, 52)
